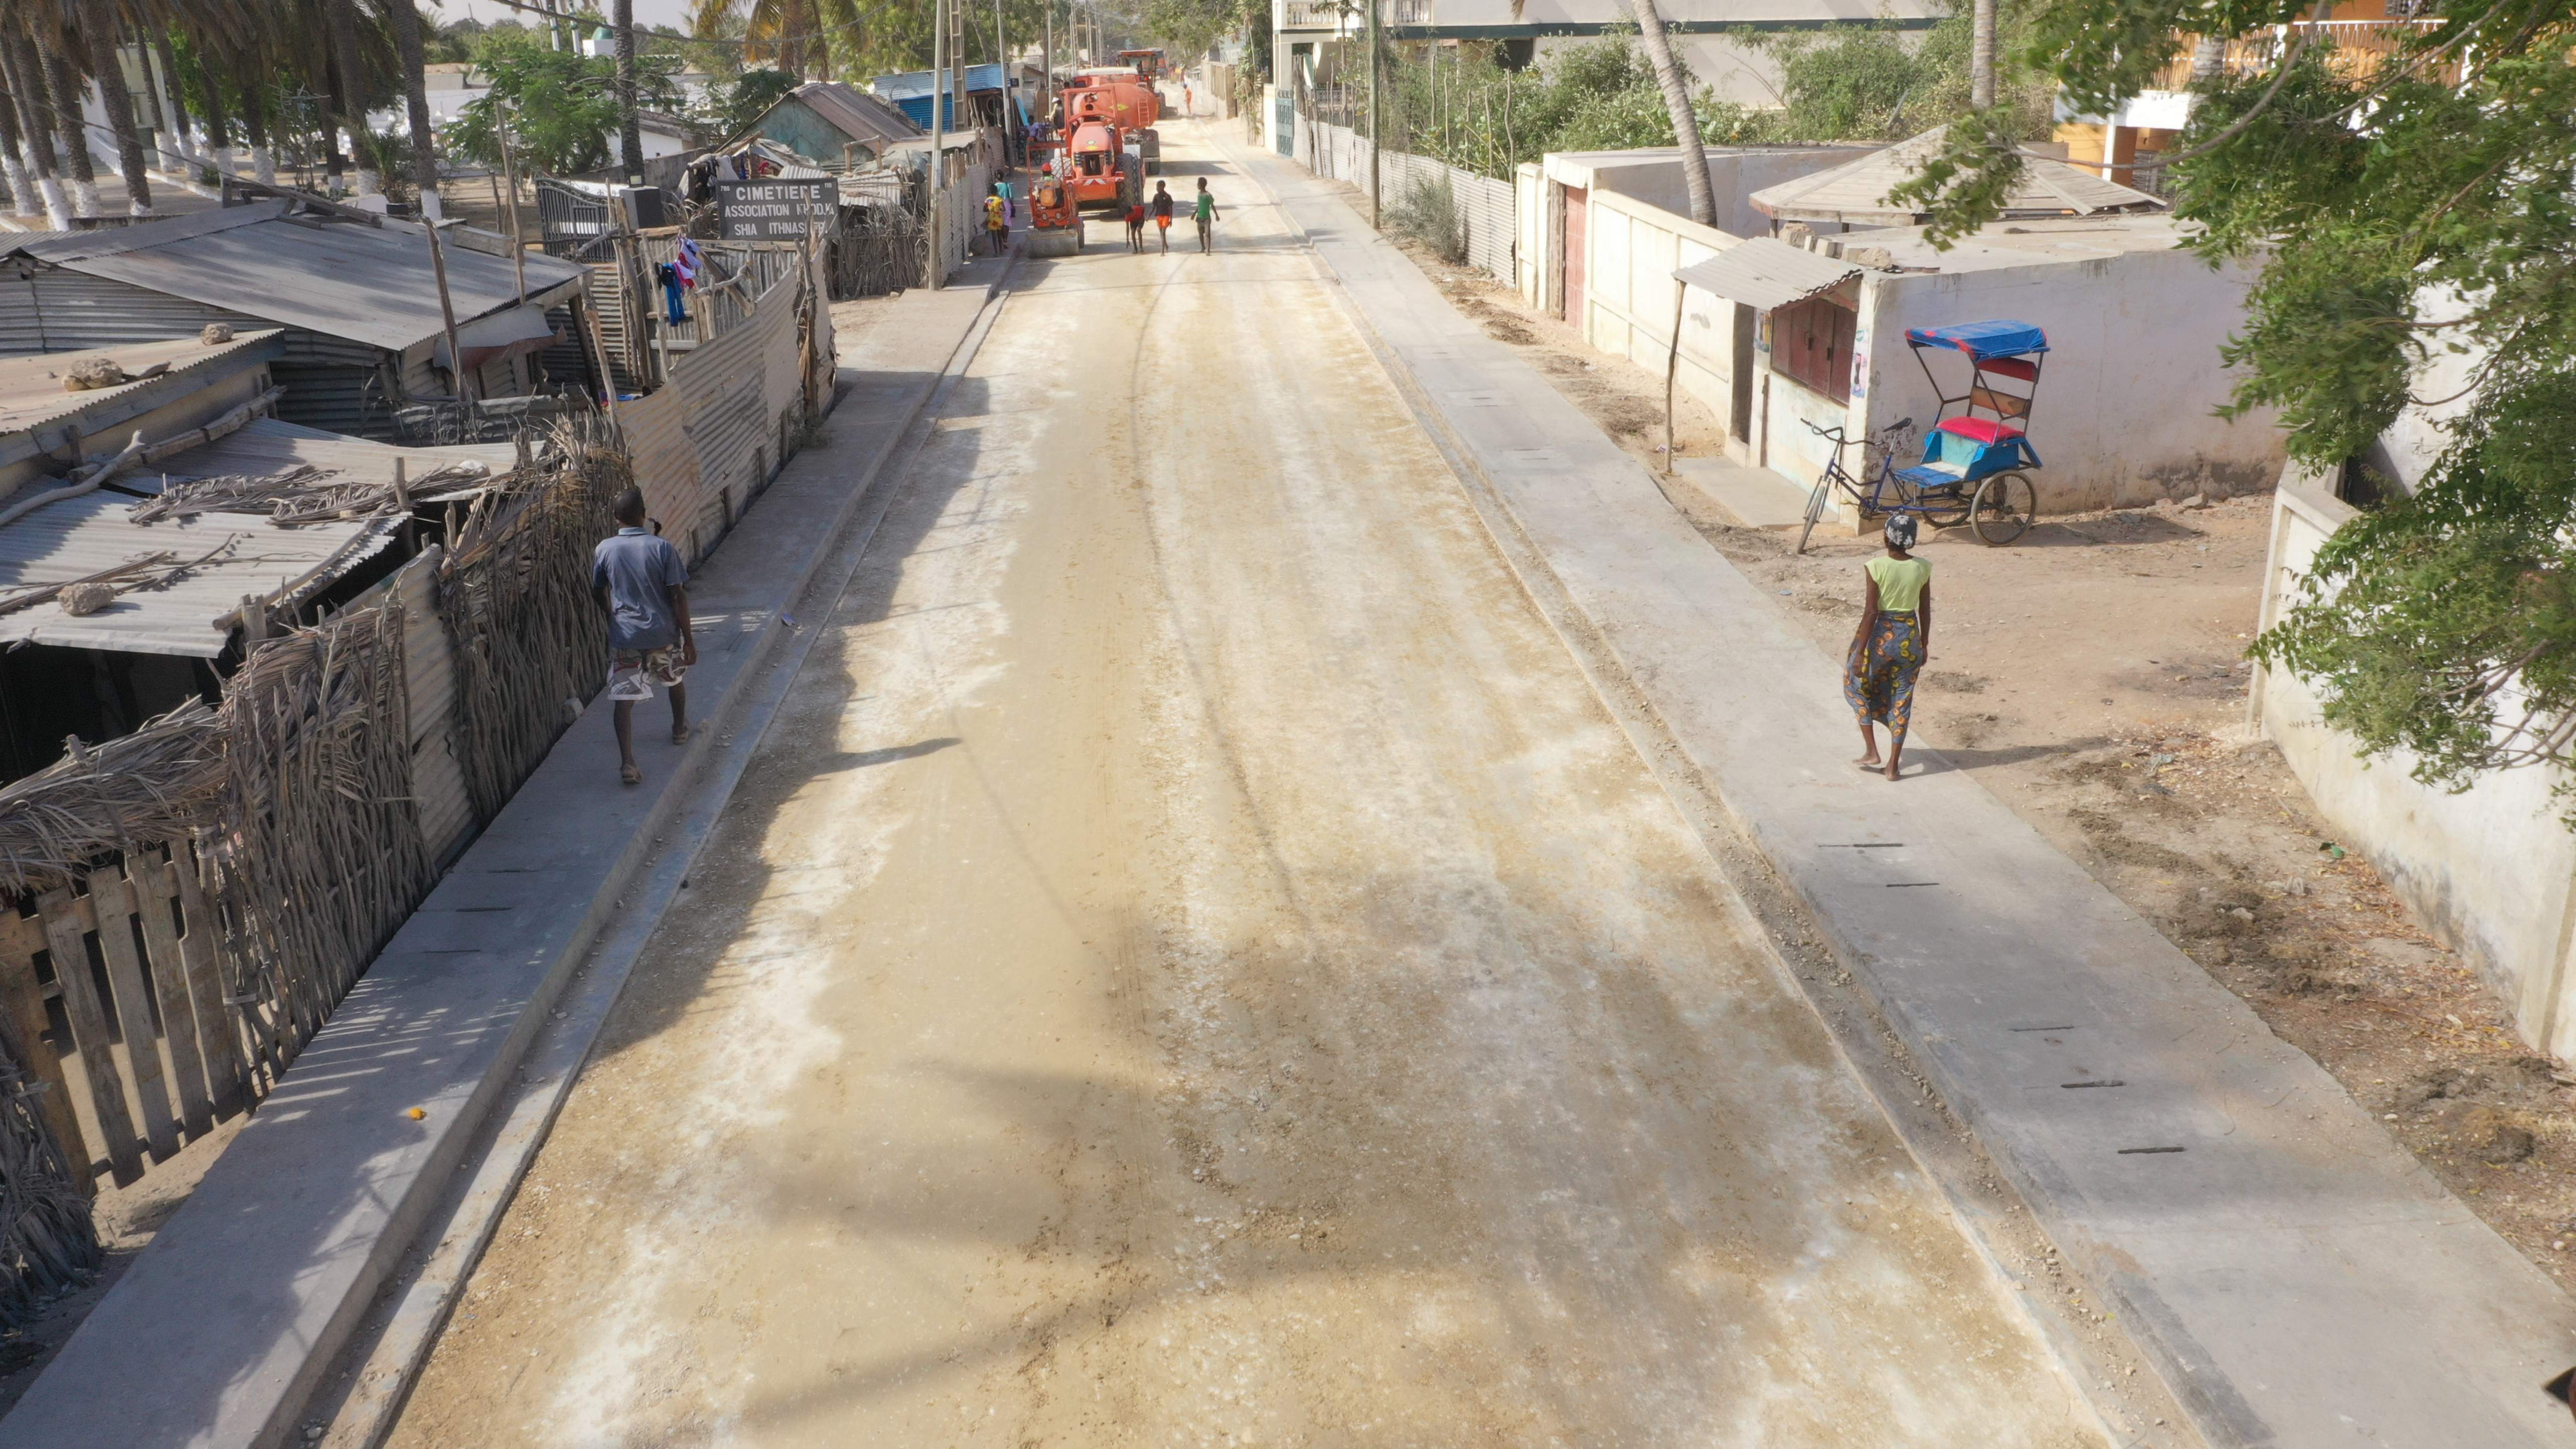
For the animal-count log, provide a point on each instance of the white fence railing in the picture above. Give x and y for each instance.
(1483, 205)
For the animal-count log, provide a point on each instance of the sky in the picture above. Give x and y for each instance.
(647, 12)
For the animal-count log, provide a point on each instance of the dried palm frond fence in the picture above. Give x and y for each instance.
(182, 908)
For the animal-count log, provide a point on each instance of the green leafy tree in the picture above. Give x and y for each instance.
(2414, 215)
(562, 105)
(731, 106)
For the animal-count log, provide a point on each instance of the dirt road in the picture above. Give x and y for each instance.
(1196, 964)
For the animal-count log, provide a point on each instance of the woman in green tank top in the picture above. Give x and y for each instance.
(1894, 639)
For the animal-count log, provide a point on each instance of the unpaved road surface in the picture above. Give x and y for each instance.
(1195, 964)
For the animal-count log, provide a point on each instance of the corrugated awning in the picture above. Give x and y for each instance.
(1765, 274)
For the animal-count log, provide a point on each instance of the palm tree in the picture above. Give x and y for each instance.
(424, 158)
(349, 90)
(13, 164)
(34, 111)
(101, 33)
(1981, 55)
(630, 135)
(1677, 104)
(63, 88)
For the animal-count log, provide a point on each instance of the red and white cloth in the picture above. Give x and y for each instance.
(688, 262)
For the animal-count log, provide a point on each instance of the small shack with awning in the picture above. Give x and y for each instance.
(1856, 194)
(356, 299)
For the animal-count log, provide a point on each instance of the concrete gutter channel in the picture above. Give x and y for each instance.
(2289, 1271)
(335, 1232)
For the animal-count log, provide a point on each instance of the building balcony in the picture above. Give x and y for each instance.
(1350, 17)
(2354, 48)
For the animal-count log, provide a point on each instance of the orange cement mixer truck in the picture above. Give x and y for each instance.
(1120, 97)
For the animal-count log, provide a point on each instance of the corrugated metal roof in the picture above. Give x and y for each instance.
(1765, 274)
(93, 533)
(342, 279)
(32, 393)
(860, 116)
(266, 446)
(1855, 193)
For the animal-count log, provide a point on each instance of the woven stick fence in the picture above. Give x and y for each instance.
(321, 856)
(531, 643)
(182, 908)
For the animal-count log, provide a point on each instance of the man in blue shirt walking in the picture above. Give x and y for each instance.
(641, 584)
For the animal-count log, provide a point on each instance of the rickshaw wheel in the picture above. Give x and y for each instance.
(1942, 509)
(2004, 509)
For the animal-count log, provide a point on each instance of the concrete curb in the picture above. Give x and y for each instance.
(379, 1387)
(2289, 1273)
(199, 1345)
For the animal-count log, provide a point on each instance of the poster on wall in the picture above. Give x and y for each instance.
(777, 209)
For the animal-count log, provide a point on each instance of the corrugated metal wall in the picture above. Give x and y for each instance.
(429, 669)
(73, 311)
(707, 443)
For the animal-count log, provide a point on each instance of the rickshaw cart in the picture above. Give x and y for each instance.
(1983, 442)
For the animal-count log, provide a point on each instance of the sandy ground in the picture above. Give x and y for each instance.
(1196, 964)
(2092, 676)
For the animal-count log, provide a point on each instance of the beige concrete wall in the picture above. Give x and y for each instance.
(2488, 870)
(1634, 248)
(2127, 402)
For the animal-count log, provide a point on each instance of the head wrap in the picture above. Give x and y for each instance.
(1900, 530)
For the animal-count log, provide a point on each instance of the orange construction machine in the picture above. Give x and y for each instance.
(1094, 163)
(1055, 219)
(1148, 63)
(1121, 98)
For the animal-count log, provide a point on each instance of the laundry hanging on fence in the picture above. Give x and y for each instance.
(674, 305)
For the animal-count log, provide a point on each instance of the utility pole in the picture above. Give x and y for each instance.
(1377, 203)
(938, 152)
(1002, 57)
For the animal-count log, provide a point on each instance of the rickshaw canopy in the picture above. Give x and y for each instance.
(1982, 340)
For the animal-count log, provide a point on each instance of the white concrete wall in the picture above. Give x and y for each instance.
(1629, 289)
(2488, 870)
(2125, 413)
(1655, 176)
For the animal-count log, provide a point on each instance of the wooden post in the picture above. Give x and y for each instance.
(447, 315)
(1673, 359)
(938, 268)
(589, 314)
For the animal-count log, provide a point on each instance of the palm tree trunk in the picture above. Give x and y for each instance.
(263, 153)
(101, 30)
(630, 134)
(424, 155)
(352, 91)
(1677, 103)
(173, 103)
(64, 85)
(22, 186)
(1981, 55)
(26, 77)
(210, 99)
(2208, 58)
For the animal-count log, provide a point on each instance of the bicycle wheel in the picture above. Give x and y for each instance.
(2004, 509)
(1815, 510)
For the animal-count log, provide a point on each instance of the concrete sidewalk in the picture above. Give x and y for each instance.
(2290, 1271)
(223, 1328)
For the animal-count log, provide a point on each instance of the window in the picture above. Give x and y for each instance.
(1811, 341)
